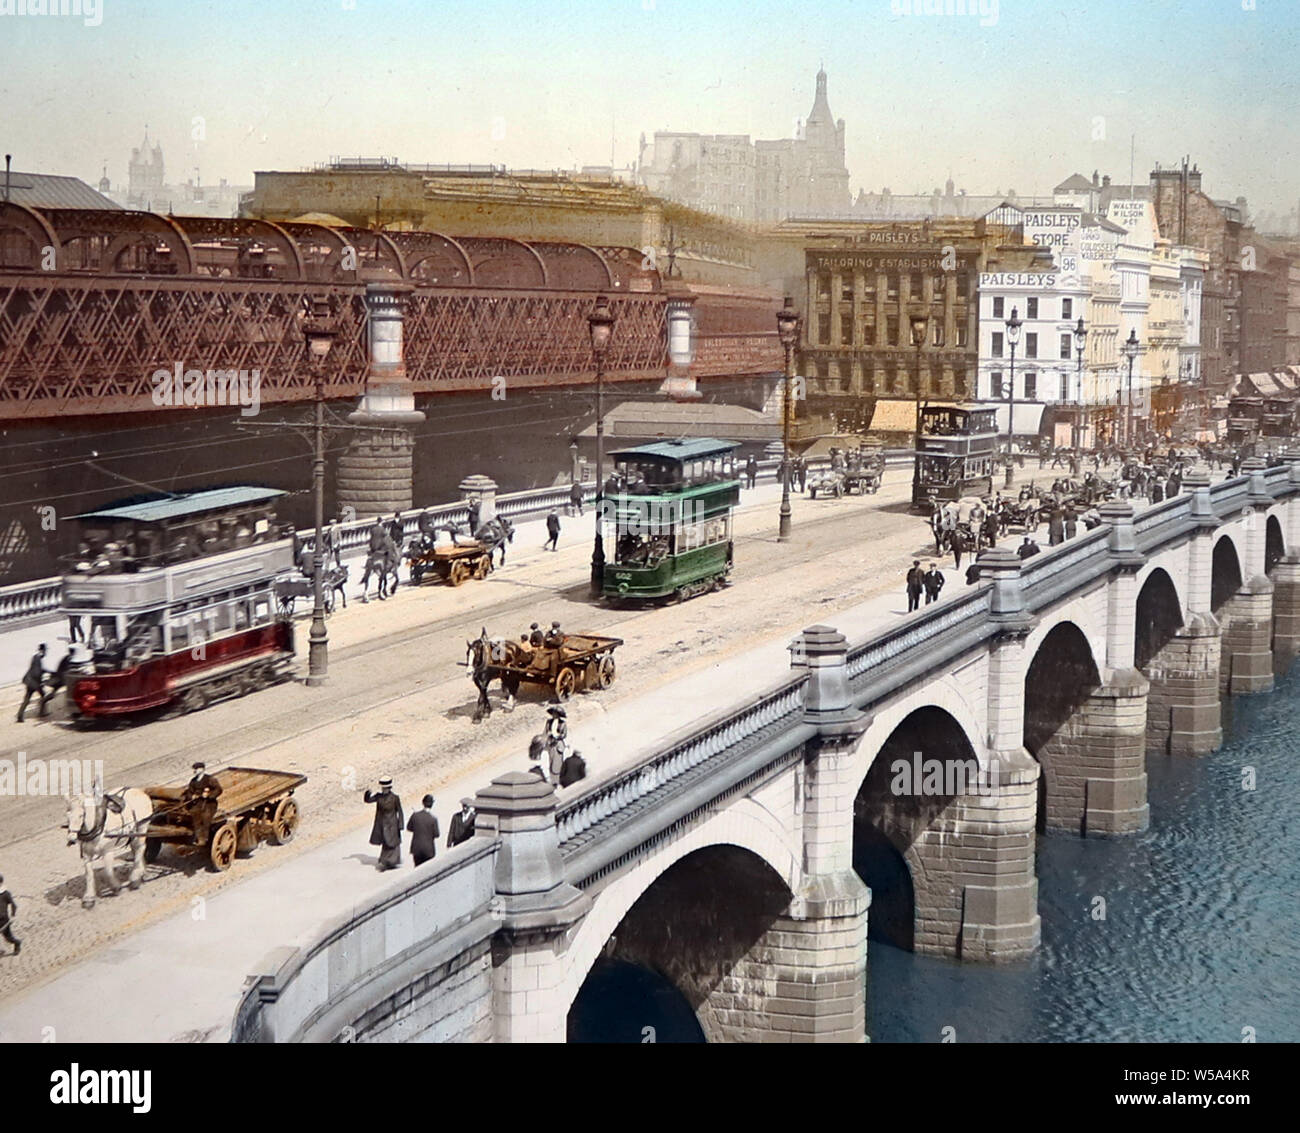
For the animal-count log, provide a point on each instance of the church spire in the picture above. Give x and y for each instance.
(821, 111)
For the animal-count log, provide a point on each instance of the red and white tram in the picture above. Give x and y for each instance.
(175, 598)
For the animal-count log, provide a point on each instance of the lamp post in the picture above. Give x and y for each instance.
(919, 317)
(1130, 352)
(319, 331)
(600, 324)
(1013, 326)
(1081, 406)
(787, 329)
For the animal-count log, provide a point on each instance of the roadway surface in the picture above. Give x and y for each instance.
(398, 702)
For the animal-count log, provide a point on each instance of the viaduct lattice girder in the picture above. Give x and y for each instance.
(132, 293)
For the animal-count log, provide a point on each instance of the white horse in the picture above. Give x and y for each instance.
(106, 826)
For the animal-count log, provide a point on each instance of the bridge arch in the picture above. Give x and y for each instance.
(744, 846)
(29, 224)
(925, 764)
(1274, 543)
(1158, 616)
(1225, 572)
(1060, 678)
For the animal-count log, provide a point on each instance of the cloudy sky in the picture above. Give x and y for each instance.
(1015, 98)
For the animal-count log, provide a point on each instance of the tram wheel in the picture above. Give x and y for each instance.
(192, 700)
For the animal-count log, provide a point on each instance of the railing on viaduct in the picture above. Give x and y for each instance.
(612, 821)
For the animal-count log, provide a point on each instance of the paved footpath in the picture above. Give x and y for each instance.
(180, 979)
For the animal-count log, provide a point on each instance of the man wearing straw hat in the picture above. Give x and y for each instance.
(387, 830)
(462, 824)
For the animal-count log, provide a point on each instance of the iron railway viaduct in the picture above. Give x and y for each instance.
(738, 860)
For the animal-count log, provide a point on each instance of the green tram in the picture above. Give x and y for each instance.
(666, 519)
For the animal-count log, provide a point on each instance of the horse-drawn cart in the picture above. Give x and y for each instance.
(453, 563)
(581, 660)
(254, 806)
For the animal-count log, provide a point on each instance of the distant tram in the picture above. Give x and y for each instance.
(958, 445)
(1279, 417)
(175, 598)
(1245, 420)
(666, 519)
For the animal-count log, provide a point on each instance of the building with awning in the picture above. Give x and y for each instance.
(1261, 384)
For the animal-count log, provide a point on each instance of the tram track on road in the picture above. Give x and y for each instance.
(369, 667)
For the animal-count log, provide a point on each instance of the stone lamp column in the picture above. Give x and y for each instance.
(375, 472)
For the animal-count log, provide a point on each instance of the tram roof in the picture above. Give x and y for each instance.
(691, 448)
(176, 507)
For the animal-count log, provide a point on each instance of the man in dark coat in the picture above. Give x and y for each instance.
(424, 832)
(34, 682)
(751, 471)
(387, 830)
(1056, 528)
(801, 470)
(960, 545)
(1071, 523)
(462, 824)
(973, 573)
(552, 532)
(8, 907)
(575, 497)
(1157, 490)
(915, 584)
(572, 769)
(1028, 548)
(395, 528)
(200, 796)
(378, 537)
(933, 581)
(475, 511)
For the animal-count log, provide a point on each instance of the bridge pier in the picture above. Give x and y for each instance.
(375, 473)
(1183, 707)
(1246, 663)
(1286, 608)
(975, 888)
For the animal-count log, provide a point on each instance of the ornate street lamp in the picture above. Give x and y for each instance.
(319, 331)
(918, 315)
(1013, 325)
(1081, 406)
(600, 324)
(1130, 349)
(787, 329)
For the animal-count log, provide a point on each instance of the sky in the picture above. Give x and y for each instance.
(1014, 94)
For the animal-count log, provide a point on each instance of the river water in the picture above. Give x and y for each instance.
(1201, 929)
(1187, 933)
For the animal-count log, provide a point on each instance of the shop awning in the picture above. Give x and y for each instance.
(1029, 417)
(670, 420)
(1264, 384)
(893, 416)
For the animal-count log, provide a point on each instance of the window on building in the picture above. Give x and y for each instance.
(936, 334)
(891, 380)
(1065, 387)
(939, 287)
(1031, 346)
(891, 285)
(1031, 307)
(846, 331)
(823, 286)
(963, 285)
(961, 334)
(846, 290)
(959, 383)
(914, 282)
(998, 307)
(996, 390)
(1065, 345)
(995, 347)
(891, 333)
(1067, 308)
(823, 328)
(1031, 386)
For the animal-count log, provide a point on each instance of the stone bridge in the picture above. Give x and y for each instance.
(910, 773)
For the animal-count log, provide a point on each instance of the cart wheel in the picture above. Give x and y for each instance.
(458, 573)
(607, 670)
(483, 567)
(285, 821)
(152, 848)
(565, 683)
(222, 851)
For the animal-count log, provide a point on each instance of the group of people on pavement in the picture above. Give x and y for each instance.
(388, 827)
(930, 581)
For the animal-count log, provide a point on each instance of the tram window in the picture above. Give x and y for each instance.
(239, 611)
(261, 611)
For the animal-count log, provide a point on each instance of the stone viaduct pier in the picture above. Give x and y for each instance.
(905, 778)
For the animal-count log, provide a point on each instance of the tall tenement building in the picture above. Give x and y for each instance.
(732, 176)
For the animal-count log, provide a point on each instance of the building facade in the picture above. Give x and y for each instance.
(732, 176)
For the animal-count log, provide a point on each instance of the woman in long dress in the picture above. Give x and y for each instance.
(389, 822)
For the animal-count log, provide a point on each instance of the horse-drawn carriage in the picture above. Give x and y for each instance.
(453, 563)
(564, 662)
(290, 587)
(829, 482)
(254, 806)
(864, 470)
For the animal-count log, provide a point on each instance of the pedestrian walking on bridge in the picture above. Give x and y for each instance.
(423, 828)
(34, 683)
(552, 531)
(915, 584)
(387, 829)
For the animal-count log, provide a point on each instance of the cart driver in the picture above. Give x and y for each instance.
(554, 638)
(200, 797)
